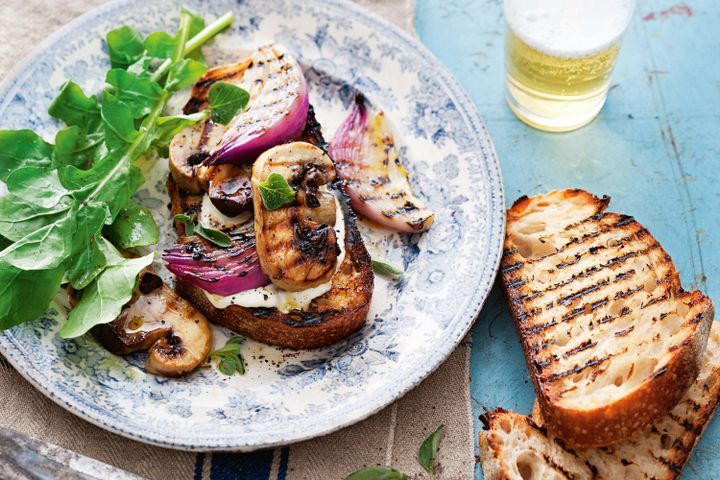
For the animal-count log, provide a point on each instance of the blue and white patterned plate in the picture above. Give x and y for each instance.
(414, 323)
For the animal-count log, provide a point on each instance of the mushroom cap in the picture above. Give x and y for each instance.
(177, 336)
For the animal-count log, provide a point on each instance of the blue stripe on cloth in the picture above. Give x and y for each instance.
(241, 466)
(199, 463)
(282, 469)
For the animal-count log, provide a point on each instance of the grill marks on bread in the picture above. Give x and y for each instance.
(515, 447)
(600, 310)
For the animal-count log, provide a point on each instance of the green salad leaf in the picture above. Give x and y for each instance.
(188, 221)
(102, 301)
(226, 100)
(45, 247)
(22, 148)
(133, 227)
(219, 238)
(139, 94)
(275, 192)
(26, 294)
(160, 44)
(125, 46)
(38, 185)
(77, 148)
(184, 74)
(86, 261)
(68, 201)
(75, 108)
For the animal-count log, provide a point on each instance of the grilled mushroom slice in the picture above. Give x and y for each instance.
(156, 319)
(187, 151)
(228, 187)
(296, 244)
(194, 144)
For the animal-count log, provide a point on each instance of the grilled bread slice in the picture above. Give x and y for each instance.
(517, 447)
(611, 340)
(513, 447)
(330, 318)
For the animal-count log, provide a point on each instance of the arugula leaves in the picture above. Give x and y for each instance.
(212, 235)
(22, 148)
(103, 300)
(135, 92)
(74, 108)
(125, 46)
(225, 100)
(66, 200)
(25, 295)
(184, 74)
(231, 360)
(275, 192)
(133, 227)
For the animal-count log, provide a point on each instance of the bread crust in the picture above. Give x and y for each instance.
(652, 398)
(660, 452)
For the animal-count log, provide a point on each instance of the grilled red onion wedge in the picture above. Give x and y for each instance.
(222, 271)
(296, 244)
(367, 161)
(276, 111)
(156, 319)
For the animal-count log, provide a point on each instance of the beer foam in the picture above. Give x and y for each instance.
(569, 28)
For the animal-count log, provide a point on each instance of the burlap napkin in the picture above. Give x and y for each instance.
(390, 437)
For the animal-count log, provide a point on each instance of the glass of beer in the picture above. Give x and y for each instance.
(558, 58)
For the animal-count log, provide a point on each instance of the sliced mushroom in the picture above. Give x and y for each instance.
(156, 319)
(188, 149)
(296, 244)
(228, 187)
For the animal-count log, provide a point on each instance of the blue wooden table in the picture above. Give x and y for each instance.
(654, 149)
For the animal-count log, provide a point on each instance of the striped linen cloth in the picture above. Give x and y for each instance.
(391, 437)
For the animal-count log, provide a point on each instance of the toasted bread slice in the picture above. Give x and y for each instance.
(330, 318)
(611, 340)
(517, 447)
(513, 447)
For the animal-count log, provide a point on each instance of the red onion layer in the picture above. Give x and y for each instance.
(277, 110)
(222, 271)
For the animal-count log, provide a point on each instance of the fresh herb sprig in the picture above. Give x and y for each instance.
(229, 356)
(386, 269)
(275, 192)
(219, 238)
(426, 458)
(65, 199)
(429, 449)
(226, 100)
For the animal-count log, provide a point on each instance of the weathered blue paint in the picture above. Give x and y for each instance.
(654, 149)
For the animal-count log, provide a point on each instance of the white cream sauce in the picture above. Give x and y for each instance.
(210, 216)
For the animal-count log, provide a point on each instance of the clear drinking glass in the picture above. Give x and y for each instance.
(558, 58)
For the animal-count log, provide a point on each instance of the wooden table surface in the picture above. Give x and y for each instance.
(654, 149)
